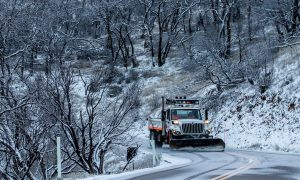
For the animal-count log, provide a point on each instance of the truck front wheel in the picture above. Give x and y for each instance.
(172, 144)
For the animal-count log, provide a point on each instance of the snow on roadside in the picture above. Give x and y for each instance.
(143, 160)
(167, 162)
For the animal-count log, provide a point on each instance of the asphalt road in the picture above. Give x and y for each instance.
(232, 165)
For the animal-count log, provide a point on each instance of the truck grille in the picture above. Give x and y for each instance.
(189, 128)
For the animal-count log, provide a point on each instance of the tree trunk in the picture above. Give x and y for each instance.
(160, 61)
(228, 38)
(101, 166)
(152, 48)
(249, 21)
(101, 156)
(183, 24)
(294, 16)
(133, 58)
(109, 41)
(214, 9)
(97, 29)
(190, 21)
(159, 53)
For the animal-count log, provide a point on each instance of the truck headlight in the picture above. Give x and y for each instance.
(206, 122)
(176, 132)
(176, 122)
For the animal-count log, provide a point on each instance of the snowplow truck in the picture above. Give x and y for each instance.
(181, 125)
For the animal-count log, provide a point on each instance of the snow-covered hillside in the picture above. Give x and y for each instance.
(268, 121)
(244, 117)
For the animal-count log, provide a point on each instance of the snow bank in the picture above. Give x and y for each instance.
(168, 162)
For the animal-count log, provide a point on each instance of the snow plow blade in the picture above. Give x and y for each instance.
(198, 144)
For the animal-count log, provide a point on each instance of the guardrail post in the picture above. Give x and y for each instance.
(152, 142)
(156, 156)
(58, 158)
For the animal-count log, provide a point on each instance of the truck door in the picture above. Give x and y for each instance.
(168, 115)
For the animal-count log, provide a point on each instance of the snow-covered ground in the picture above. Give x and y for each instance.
(144, 152)
(167, 162)
(268, 121)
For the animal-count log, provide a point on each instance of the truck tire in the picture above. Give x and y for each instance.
(152, 135)
(171, 144)
(158, 144)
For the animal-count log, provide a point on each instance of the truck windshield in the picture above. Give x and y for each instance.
(185, 114)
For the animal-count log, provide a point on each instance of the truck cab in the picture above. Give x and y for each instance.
(186, 121)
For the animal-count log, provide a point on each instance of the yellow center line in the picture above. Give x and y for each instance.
(251, 163)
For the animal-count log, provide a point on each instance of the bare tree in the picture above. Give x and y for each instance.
(24, 128)
(168, 16)
(285, 17)
(91, 130)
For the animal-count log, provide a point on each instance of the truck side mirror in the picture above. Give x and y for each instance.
(206, 114)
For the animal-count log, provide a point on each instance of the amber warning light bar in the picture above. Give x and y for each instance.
(181, 101)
